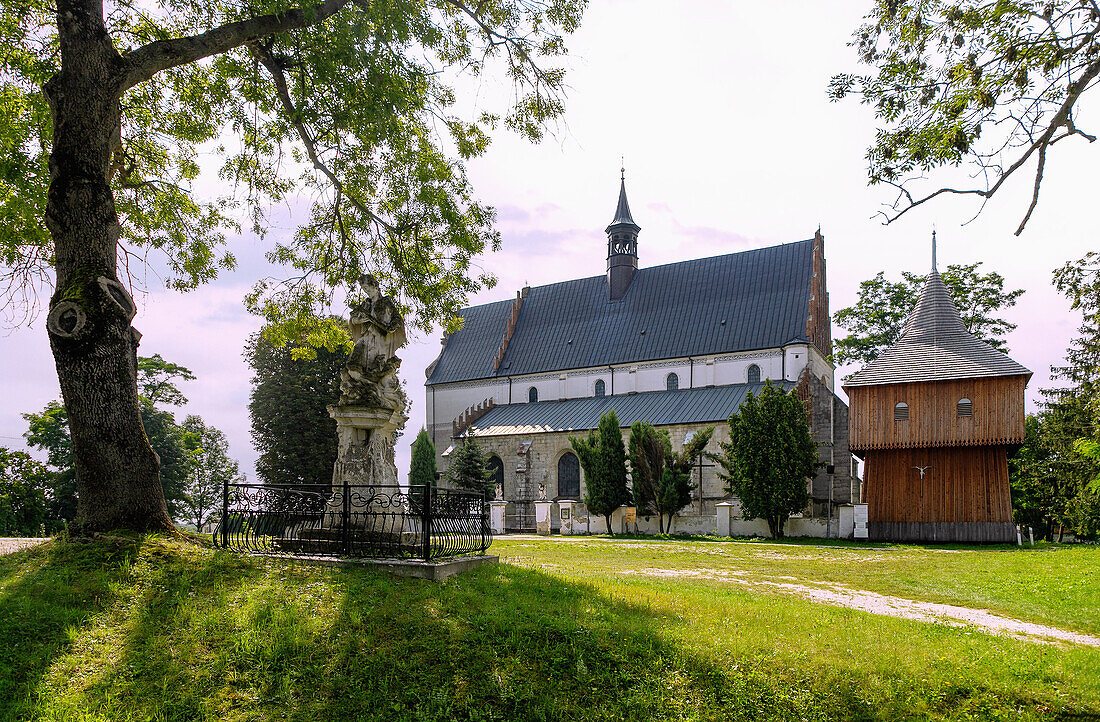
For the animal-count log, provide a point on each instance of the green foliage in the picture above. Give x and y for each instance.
(660, 477)
(156, 380)
(770, 456)
(603, 458)
(357, 113)
(211, 467)
(469, 468)
(422, 466)
(24, 509)
(291, 426)
(877, 319)
(990, 83)
(49, 431)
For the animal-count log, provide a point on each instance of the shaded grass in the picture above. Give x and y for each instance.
(154, 628)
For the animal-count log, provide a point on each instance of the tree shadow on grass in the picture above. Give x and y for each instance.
(48, 592)
(215, 636)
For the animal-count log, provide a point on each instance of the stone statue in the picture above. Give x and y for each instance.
(370, 411)
(370, 376)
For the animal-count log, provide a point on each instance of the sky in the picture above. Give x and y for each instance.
(718, 112)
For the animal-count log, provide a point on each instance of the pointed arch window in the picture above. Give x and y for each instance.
(569, 476)
(532, 394)
(672, 382)
(599, 387)
(754, 374)
(496, 466)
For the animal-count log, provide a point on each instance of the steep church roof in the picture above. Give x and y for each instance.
(756, 299)
(935, 346)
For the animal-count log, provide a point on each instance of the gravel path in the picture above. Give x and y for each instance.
(843, 596)
(14, 544)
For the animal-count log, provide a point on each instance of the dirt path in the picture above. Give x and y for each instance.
(843, 596)
(14, 544)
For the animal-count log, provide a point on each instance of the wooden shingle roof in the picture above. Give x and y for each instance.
(935, 346)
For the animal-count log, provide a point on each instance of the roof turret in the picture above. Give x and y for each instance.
(622, 211)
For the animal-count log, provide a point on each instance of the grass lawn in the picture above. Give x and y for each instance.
(158, 628)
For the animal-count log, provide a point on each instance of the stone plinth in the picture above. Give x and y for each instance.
(496, 515)
(542, 517)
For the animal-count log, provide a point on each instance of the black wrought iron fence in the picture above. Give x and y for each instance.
(354, 520)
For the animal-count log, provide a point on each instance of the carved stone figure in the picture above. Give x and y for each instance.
(370, 410)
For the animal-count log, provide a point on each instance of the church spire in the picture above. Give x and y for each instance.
(622, 246)
(934, 249)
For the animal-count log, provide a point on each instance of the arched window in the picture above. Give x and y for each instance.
(672, 382)
(599, 388)
(569, 476)
(754, 374)
(965, 407)
(901, 412)
(532, 394)
(497, 467)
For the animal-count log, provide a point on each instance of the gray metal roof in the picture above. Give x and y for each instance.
(738, 302)
(935, 346)
(660, 408)
(622, 211)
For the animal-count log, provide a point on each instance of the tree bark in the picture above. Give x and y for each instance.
(93, 343)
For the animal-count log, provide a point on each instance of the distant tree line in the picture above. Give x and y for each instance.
(41, 498)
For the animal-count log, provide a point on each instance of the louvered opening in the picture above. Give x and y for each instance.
(901, 412)
(966, 408)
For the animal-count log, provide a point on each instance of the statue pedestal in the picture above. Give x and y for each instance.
(365, 457)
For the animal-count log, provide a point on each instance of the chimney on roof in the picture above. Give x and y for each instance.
(622, 247)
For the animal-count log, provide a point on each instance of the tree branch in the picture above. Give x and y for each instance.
(150, 59)
(1062, 118)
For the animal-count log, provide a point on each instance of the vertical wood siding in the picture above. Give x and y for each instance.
(959, 485)
(998, 414)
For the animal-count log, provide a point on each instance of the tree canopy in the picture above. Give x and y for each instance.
(877, 319)
(210, 469)
(993, 84)
(470, 470)
(661, 477)
(422, 469)
(770, 456)
(346, 106)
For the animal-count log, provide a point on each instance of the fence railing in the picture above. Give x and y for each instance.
(353, 520)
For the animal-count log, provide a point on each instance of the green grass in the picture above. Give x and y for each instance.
(156, 628)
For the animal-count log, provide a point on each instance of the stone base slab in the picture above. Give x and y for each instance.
(436, 571)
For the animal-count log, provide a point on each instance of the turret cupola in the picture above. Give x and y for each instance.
(622, 247)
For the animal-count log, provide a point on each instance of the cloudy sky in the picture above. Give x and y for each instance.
(720, 111)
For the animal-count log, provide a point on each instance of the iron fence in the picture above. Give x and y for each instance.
(353, 520)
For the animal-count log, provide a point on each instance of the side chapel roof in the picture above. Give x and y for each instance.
(660, 408)
(935, 346)
(756, 299)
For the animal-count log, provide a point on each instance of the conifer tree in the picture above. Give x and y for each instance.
(470, 469)
(603, 458)
(422, 470)
(770, 456)
(662, 478)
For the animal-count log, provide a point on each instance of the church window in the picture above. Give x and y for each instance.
(532, 394)
(754, 374)
(569, 476)
(599, 388)
(496, 466)
(965, 407)
(901, 412)
(672, 382)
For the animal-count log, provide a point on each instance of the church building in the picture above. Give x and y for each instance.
(678, 345)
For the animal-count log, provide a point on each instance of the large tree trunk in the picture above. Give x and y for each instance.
(94, 346)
